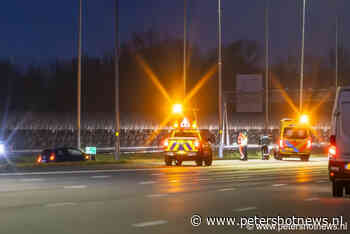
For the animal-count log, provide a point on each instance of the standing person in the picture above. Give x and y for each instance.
(243, 145)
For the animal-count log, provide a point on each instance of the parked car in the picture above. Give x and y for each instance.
(64, 154)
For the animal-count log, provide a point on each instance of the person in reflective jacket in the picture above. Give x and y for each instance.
(243, 145)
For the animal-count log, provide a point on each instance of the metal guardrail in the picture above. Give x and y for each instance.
(152, 149)
(141, 149)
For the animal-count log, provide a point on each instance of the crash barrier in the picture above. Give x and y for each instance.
(104, 139)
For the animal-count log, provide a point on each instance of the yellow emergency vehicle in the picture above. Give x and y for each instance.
(185, 143)
(295, 139)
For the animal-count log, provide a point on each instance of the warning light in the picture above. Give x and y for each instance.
(304, 119)
(185, 123)
(176, 125)
(177, 109)
(194, 125)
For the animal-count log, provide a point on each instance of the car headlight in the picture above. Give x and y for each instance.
(2, 149)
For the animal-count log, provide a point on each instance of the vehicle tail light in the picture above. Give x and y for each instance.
(309, 144)
(281, 144)
(52, 157)
(333, 140)
(87, 157)
(39, 159)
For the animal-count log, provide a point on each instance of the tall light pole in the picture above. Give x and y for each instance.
(336, 52)
(302, 61)
(221, 135)
(79, 75)
(267, 64)
(185, 47)
(116, 63)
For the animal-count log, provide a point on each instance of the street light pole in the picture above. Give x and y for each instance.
(302, 61)
(267, 64)
(185, 47)
(116, 63)
(79, 75)
(336, 52)
(221, 135)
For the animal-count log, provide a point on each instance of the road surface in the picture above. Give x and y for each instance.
(163, 200)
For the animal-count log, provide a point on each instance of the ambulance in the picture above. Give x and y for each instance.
(339, 149)
(295, 139)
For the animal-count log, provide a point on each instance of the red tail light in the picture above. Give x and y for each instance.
(39, 159)
(52, 157)
(281, 144)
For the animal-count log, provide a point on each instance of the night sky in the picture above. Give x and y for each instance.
(44, 29)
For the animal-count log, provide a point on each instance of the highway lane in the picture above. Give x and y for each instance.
(162, 200)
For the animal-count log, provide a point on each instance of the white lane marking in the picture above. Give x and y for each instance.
(278, 185)
(75, 187)
(148, 182)
(157, 195)
(204, 179)
(101, 177)
(226, 189)
(31, 180)
(157, 174)
(245, 209)
(61, 204)
(321, 181)
(312, 199)
(173, 181)
(151, 223)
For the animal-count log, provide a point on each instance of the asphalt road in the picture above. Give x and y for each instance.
(162, 200)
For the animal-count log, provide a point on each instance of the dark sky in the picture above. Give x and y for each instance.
(41, 29)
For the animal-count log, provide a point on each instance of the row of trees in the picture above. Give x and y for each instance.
(53, 87)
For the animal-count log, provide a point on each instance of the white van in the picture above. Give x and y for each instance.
(339, 151)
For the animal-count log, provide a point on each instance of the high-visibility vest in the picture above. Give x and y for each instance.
(242, 140)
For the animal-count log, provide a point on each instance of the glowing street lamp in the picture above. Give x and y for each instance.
(304, 119)
(177, 109)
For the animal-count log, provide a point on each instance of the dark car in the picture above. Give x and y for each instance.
(64, 154)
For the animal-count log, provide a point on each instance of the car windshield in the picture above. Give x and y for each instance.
(296, 133)
(185, 134)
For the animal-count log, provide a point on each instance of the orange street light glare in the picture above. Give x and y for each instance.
(304, 119)
(177, 108)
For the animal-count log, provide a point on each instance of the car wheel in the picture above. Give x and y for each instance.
(178, 162)
(199, 162)
(208, 161)
(347, 189)
(337, 189)
(305, 158)
(168, 161)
